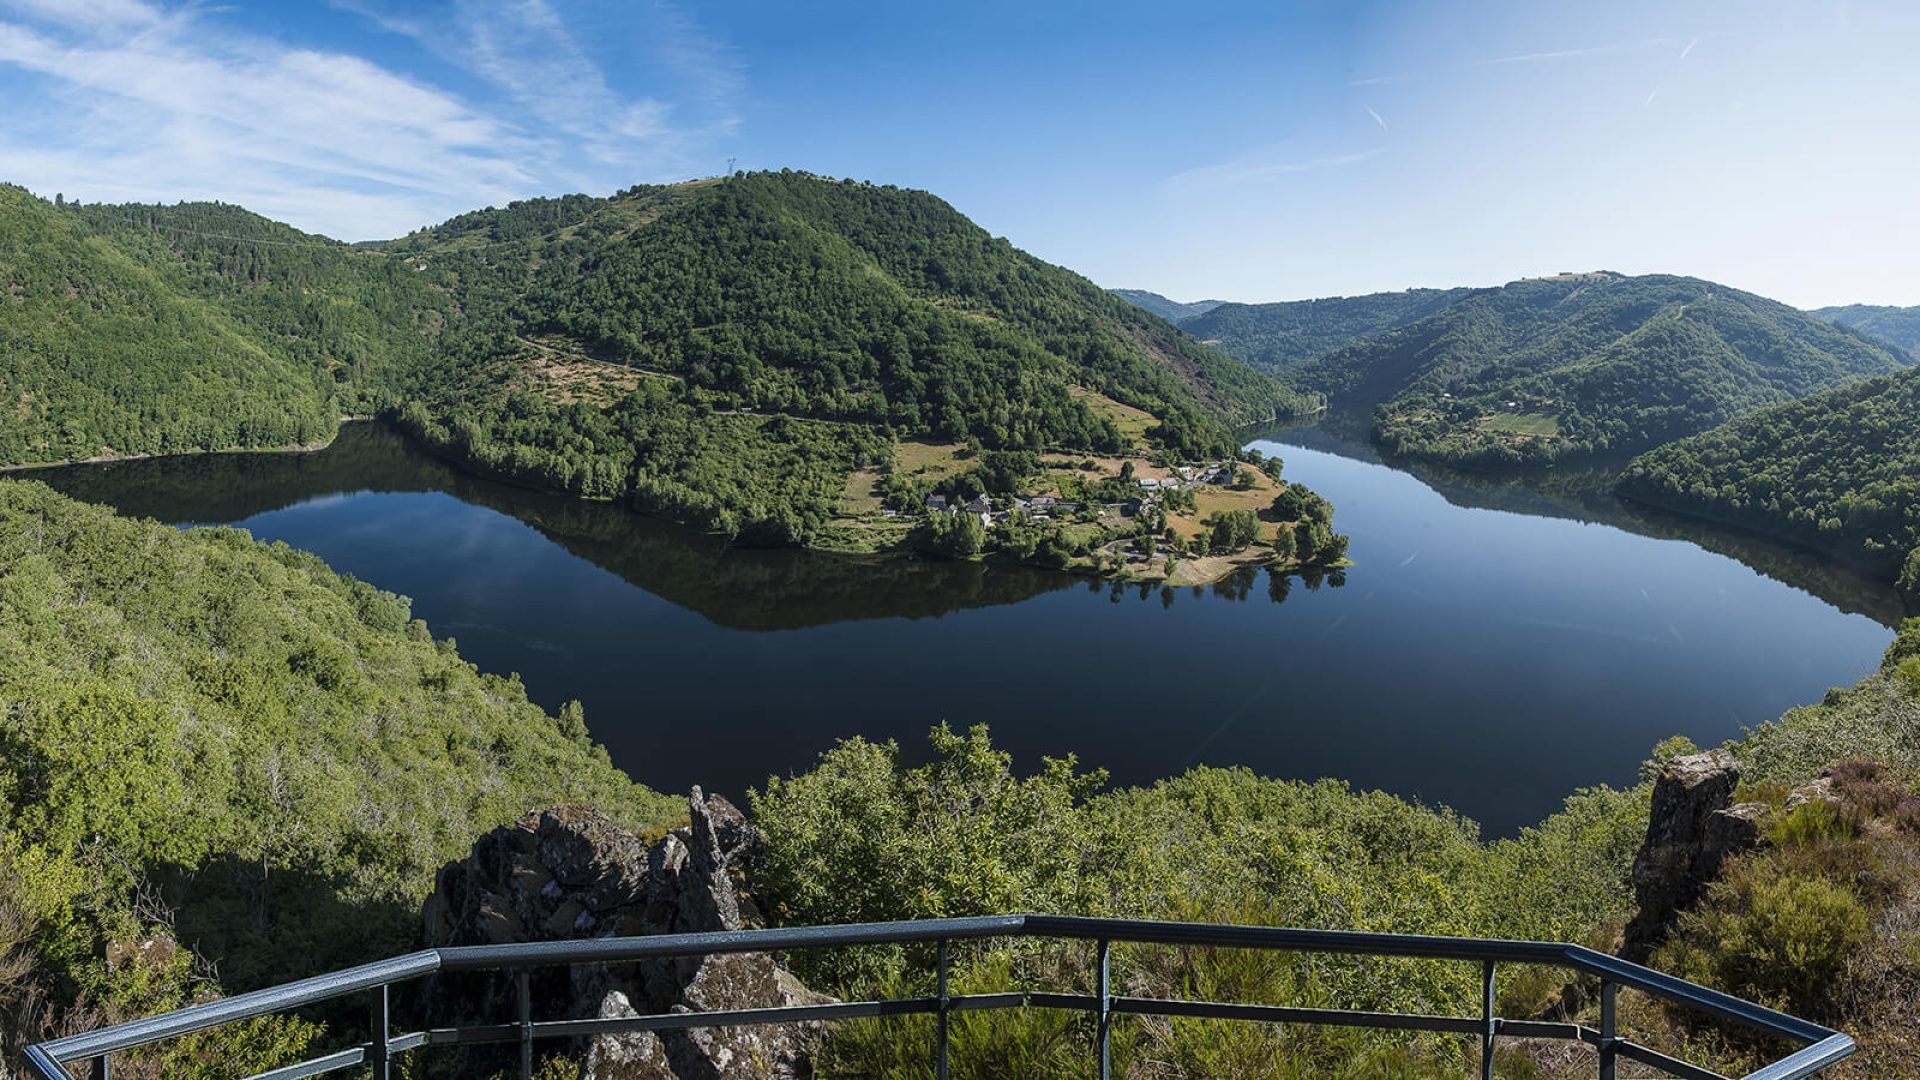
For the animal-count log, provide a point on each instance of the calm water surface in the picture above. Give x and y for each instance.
(1488, 659)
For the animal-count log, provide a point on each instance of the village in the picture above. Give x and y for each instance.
(1149, 493)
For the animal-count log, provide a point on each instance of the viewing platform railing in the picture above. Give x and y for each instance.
(1819, 1047)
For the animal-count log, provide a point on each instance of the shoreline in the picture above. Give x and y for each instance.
(1193, 572)
(115, 459)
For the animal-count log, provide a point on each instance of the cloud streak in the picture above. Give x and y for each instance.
(1262, 167)
(146, 102)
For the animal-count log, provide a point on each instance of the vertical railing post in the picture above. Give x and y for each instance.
(940, 1020)
(525, 988)
(1492, 1025)
(1609, 1032)
(97, 1068)
(378, 1056)
(1105, 1027)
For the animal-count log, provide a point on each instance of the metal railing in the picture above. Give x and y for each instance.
(1820, 1047)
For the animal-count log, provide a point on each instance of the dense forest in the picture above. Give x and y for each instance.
(1278, 336)
(724, 352)
(102, 353)
(1838, 471)
(1898, 326)
(217, 752)
(1582, 364)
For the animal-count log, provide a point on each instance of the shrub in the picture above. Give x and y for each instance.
(1778, 937)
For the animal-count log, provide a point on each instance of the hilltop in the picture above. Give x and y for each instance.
(1279, 336)
(1897, 326)
(1581, 364)
(1173, 311)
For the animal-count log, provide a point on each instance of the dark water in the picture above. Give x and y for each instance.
(1488, 659)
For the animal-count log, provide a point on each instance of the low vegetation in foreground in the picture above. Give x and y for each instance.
(227, 766)
(223, 765)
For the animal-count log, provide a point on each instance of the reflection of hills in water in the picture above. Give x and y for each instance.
(1585, 493)
(741, 588)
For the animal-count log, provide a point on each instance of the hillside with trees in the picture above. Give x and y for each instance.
(218, 754)
(102, 353)
(1584, 364)
(1839, 472)
(1897, 326)
(1279, 336)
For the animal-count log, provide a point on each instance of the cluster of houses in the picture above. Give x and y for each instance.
(1043, 507)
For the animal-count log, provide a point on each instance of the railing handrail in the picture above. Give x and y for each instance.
(1821, 1046)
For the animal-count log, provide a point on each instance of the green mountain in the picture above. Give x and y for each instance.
(1275, 337)
(727, 352)
(1581, 364)
(724, 352)
(1898, 326)
(1173, 311)
(1838, 471)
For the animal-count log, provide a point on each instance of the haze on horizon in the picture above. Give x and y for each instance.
(1242, 151)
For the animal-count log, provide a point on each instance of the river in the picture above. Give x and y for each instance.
(1494, 647)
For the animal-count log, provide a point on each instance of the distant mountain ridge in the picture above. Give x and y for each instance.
(1894, 325)
(1278, 336)
(1173, 311)
(1580, 364)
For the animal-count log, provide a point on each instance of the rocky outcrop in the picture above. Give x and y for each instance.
(569, 872)
(1692, 829)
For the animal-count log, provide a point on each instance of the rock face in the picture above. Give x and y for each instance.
(568, 872)
(1691, 831)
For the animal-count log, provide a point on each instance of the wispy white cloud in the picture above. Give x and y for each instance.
(1688, 51)
(1263, 166)
(1543, 56)
(1376, 117)
(1572, 54)
(1651, 94)
(139, 101)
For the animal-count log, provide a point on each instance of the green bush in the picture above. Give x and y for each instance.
(1775, 937)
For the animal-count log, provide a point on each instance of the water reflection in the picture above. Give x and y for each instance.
(740, 588)
(1584, 492)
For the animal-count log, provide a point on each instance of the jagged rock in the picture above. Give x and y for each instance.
(570, 872)
(1691, 831)
(633, 1055)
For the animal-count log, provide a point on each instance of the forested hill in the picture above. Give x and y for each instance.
(1173, 311)
(845, 300)
(102, 352)
(1278, 336)
(1838, 471)
(1898, 326)
(728, 351)
(1581, 364)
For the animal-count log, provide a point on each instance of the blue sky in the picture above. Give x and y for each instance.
(1243, 151)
